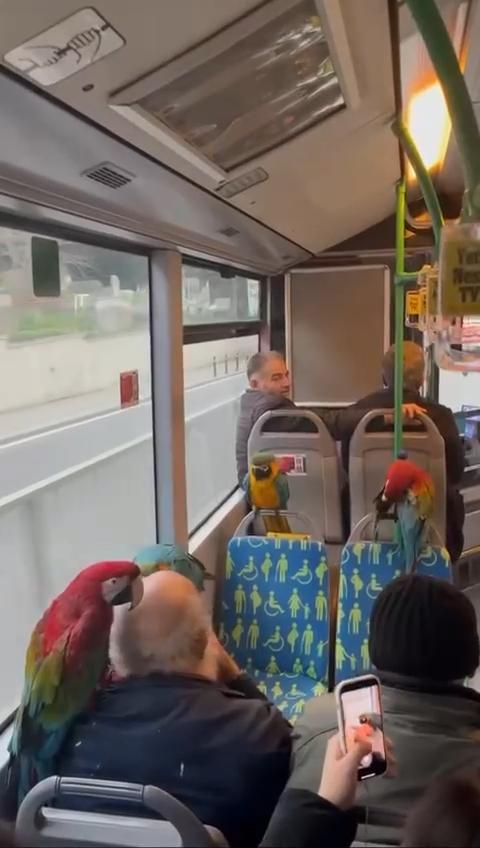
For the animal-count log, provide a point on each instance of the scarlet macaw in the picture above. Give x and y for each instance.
(411, 490)
(65, 661)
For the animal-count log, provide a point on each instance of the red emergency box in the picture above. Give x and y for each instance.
(128, 388)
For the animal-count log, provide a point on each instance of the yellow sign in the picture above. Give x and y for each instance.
(460, 276)
(422, 301)
(412, 303)
(302, 536)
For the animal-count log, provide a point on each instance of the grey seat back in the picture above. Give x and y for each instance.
(371, 453)
(316, 492)
(40, 825)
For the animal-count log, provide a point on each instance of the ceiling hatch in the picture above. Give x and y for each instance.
(243, 92)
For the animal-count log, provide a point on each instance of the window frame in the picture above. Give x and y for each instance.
(215, 331)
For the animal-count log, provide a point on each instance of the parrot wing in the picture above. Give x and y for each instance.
(283, 490)
(58, 686)
(411, 531)
(246, 487)
(194, 570)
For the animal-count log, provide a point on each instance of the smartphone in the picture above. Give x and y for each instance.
(359, 711)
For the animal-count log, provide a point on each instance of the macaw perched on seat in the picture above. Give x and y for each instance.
(266, 486)
(411, 490)
(65, 662)
(170, 557)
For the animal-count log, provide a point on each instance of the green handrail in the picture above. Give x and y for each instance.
(423, 177)
(399, 314)
(464, 123)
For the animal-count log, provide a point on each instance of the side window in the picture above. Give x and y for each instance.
(77, 481)
(221, 317)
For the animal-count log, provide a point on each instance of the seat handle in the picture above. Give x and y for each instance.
(358, 532)
(243, 527)
(370, 416)
(30, 818)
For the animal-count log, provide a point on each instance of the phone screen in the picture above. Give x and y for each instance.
(362, 719)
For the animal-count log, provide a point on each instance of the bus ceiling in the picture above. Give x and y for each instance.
(279, 112)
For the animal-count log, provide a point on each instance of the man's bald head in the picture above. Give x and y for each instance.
(167, 632)
(413, 366)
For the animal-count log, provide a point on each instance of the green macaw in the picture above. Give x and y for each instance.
(169, 557)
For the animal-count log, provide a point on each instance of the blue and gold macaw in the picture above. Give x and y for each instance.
(168, 557)
(266, 487)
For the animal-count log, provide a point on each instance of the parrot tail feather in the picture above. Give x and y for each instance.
(276, 524)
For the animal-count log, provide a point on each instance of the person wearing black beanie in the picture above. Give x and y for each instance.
(423, 644)
(424, 628)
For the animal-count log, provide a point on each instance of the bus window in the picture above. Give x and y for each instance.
(215, 360)
(77, 482)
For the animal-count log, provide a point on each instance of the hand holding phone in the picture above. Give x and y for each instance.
(339, 774)
(360, 718)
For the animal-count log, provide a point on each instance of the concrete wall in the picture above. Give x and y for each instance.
(53, 368)
(45, 370)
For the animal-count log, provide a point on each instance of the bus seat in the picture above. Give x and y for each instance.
(40, 825)
(253, 523)
(365, 568)
(371, 454)
(315, 485)
(274, 617)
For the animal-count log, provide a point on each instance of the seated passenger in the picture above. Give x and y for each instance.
(423, 643)
(183, 718)
(447, 814)
(413, 376)
(269, 389)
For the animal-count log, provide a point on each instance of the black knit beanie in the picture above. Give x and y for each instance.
(425, 628)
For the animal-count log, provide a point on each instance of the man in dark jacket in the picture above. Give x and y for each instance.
(442, 417)
(423, 643)
(183, 718)
(269, 389)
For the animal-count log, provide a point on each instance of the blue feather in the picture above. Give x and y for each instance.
(283, 491)
(411, 532)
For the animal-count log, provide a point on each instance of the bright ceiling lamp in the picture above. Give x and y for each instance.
(429, 124)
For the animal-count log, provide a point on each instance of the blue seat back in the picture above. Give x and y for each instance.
(274, 611)
(366, 568)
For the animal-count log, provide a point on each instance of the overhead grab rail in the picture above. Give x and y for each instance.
(464, 124)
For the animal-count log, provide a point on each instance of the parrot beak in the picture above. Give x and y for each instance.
(261, 472)
(132, 594)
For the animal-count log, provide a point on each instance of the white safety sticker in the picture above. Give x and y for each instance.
(66, 48)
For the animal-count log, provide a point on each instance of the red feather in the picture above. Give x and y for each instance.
(81, 593)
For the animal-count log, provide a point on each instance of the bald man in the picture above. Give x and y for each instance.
(183, 717)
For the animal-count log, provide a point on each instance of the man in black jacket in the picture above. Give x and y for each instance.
(269, 389)
(182, 717)
(442, 417)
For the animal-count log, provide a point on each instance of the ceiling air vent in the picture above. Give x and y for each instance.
(109, 175)
(241, 183)
(230, 232)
